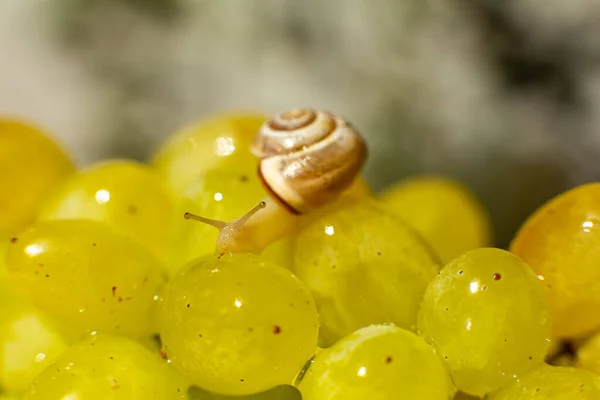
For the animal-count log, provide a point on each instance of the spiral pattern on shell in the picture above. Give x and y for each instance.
(308, 157)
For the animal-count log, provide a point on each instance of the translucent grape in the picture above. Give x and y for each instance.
(127, 195)
(220, 142)
(561, 242)
(378, 363)
(29, 341)
(87, 276)
(588, 354)
(486, 314)
(552, 383)
(363, 267)
(31, 165)
(278, 393)
(443, 212)
(237, 324)
(103, 366)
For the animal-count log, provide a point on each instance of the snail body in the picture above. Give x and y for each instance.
(307, 159)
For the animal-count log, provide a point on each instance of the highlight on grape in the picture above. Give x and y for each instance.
(288, 278)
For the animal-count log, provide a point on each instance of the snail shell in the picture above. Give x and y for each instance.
(308, 158)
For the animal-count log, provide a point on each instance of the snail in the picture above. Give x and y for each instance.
(307, 159)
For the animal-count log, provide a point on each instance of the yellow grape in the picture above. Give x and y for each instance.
(237, 324)
(220, 142)
(443, 211)
(29, 340)
(31, 165)
(363, 266)
(378, 363)
(223, 196)
(102, 366)
(486, 314)
(552, 383)
(285, 392)
(127, 195)
(561, 242)
(463, 396)
(87, 276)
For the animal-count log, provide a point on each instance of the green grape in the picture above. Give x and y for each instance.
(444, 212)
(127, 195)
(223, 196)
(552, 383)
(107, 367)
(486, 313)
(31, 165)
(285, 392)
(220, 142)
(378, 363)
(237, 324)
(29, 340)
(87, 276)
(363, 267)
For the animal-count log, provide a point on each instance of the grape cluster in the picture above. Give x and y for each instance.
(109, 293)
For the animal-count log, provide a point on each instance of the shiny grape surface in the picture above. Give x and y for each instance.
(363, 266)
(443, 212)
(378, 363)
(29, 340)
(561, 242)
(31, 165)
(126, 195)
(87, 276)
(552, 383)
(220, 142)
(237, 324)
(108, 367)
(279, 393)
(486, 314)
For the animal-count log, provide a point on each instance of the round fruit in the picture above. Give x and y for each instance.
(379, 363)
(443, 212)
(237, 324)
(363, 266)
(487, 316)
(561, 242)
(31, 165)
(87, 276)
(102, 366)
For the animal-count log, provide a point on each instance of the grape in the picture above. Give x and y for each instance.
(127, 195)
(237, 324)
(588, 354)
(363, 267)
(378, 363)
(29, 340)
(278, 393)
(444, 212)
(107, 367)
(486, 314)
(561, 242)
(87, 276)
(552, 383)
(31, 165)
(220, 142)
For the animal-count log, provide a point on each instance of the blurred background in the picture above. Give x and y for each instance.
(502, 95)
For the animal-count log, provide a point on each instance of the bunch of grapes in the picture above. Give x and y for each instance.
(312, 287)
